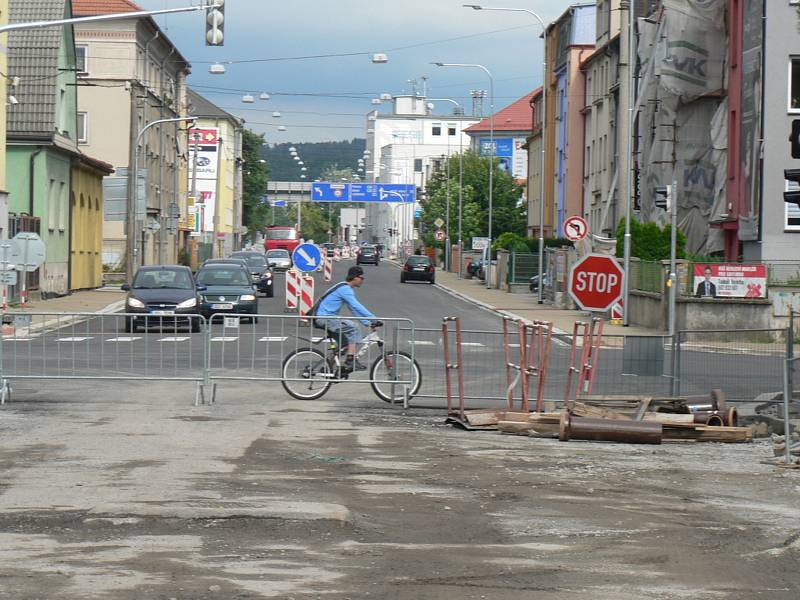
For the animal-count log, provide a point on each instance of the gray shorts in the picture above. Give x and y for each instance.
(351, 334)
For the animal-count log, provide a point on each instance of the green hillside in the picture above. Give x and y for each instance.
(317, 158)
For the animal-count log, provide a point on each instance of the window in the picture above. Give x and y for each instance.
(81, 65)
(794, 84)
(451, 129)
(437, 129)
(792, 212)
(83, 137)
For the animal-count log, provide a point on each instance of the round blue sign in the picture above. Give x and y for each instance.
(307, 257)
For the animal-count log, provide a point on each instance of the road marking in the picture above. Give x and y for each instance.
(123, 339)
(478, 344)
(17, 339)
(225, 339)
(74, 339)
(174, 339)
(423, 343)
(273, 339)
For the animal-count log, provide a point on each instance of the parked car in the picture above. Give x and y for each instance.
(260, 271)
(225, 261)
(533, 283)
(418, 268)
(279, 259)
(228, 289)
(163, 294)
(368, 255)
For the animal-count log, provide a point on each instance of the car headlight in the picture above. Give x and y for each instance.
(190, 303)
(135, 303)
(247, 298)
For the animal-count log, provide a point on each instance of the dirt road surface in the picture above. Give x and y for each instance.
(126, 491)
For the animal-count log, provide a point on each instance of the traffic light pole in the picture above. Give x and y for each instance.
(112, 17)
(673, 255)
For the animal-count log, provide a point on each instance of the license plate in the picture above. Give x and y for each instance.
(221, 306)
(419, 268)
(162, 313)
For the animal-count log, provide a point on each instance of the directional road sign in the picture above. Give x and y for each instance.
(8, 278)
(279, 203)
(595, 282)
(329, 192)
(307, 257)
(362, 192)
(575, 228)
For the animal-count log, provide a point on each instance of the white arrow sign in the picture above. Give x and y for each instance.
(311, 262)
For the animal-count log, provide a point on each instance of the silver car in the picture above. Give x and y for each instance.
(279, 259)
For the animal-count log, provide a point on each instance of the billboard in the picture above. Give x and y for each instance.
(204, 143)
(509, 152)
(730, 281)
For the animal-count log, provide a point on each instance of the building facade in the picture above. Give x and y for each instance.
(131, 75)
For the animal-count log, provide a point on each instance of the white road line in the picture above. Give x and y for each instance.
(174, 339)
(18, 339)
(224, 339)
(123, 339)
(423, 343)
(478, 344)
(273, 339)
(74, 339)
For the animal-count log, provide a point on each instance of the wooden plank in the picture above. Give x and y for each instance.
(581, 409)
(702, 433)
(481, 418)
(643, 406)
(670, 418)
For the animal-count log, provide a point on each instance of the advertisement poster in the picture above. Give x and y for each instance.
(724, 280)
(204, 141)
(510, 154)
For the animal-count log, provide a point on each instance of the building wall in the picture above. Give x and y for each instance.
(780, 241)
(51, 191)
(86, 205)
(3, 99)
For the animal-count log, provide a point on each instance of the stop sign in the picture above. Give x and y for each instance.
(595, 282)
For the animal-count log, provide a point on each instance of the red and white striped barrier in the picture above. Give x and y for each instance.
(292, 289)
(346, 252)
(337, 256)
(306, 294)
(328, 269)
(618, 310)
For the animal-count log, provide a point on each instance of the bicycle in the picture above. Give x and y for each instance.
(307, 373)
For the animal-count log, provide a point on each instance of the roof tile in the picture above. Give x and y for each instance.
(517, 116)
(83, 8)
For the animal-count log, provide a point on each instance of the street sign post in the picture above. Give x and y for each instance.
(307, 257)
(575, 228)
(596, 282)
(31, 250)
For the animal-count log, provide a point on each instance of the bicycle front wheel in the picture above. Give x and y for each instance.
(306, 374)
(395, 367)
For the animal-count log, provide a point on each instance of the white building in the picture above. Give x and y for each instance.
(406, 147)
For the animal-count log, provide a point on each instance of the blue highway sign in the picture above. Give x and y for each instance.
(329, 192)
(279, 203)
(307, 257)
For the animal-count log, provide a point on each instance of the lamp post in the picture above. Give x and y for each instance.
(133, 198)
(491, 135)
(460, 186)
(544, 128)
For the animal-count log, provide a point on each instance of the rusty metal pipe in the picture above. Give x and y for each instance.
(607, 430)
(717, 418)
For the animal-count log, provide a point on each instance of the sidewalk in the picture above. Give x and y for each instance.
(103, 300)
(525, 306)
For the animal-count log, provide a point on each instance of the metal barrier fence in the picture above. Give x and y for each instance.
(522, 266)
(745, 363)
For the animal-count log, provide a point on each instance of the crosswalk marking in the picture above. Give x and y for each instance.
(73, 339)
(123, 339)
(174, 339)
(273, 339)
(224, 339)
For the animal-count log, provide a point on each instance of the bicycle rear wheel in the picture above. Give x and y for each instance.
(391, 367)
(306, 374)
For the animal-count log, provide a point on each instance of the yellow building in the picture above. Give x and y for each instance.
(86, 214)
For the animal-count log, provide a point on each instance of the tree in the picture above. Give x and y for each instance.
(255, 175)
(508, 210)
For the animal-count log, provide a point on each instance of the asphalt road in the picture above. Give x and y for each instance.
(99, 347)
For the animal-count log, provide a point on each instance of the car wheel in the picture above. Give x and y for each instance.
(402, 278)
(269, 294)
(433, 280)
(254, 320)
(196, 326)
(129, 325)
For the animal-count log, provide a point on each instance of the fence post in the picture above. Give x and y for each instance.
(787, 396)
(675, 386)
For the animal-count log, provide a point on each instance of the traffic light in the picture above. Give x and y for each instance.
(793, 195)
(215, 23)
(794, 139)
(663, 197)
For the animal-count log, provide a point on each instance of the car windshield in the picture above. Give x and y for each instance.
(153, 279)
(277, 254)
(253, 260)
(223, 276)
(281, 234)
(367, 250)
(418, 260)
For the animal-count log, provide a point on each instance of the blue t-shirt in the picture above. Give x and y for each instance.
(343, 294)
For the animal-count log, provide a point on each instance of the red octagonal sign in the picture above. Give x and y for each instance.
(595, 282)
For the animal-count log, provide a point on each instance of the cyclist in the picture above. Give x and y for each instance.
(331, 304)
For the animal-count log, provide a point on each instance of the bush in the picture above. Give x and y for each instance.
(649, 241)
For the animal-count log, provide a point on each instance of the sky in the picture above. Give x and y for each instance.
(323, 99)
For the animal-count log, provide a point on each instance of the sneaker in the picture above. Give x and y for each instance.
(352, 364)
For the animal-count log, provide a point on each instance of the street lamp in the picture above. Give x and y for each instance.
(491, 135)
(460, 187)
(544, 129)
(130, 243)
